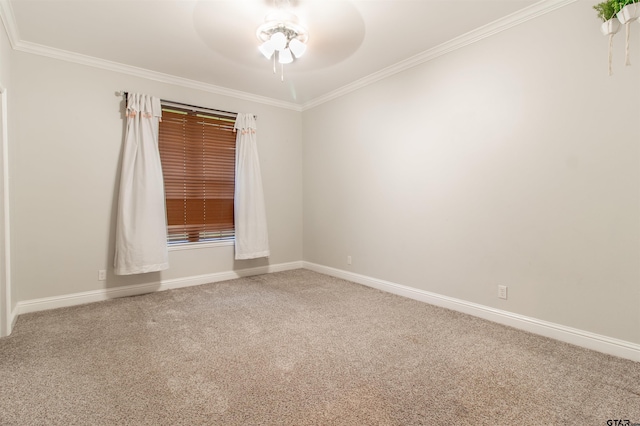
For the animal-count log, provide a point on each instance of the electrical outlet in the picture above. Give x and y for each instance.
(502, 291)
(102, 275)
(348, 260)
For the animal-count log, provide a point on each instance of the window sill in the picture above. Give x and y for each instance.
(207, 244)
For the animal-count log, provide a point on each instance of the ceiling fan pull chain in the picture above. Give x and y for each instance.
(282, 73)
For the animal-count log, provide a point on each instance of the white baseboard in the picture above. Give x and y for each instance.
(11, 322)
(13, 317)
(560, 332)
(46, 303)
(585, 339)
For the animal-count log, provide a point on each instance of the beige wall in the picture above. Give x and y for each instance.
(512, 161)
(68, 134)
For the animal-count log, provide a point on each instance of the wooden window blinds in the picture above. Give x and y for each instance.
(197, 150)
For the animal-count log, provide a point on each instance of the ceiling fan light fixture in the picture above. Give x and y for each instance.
(282, 33)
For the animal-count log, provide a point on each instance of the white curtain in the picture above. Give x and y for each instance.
(141, 231)
(250, 215)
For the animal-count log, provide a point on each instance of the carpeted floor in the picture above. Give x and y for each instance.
(298, 348)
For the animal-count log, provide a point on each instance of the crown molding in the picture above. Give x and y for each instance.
(91, 61)
(8, 19)
(502, 24)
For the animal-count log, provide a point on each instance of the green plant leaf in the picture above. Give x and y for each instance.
(608, 9)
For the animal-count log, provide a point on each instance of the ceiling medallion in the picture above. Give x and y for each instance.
(283, 39)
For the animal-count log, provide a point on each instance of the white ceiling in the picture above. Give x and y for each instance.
(213, 42)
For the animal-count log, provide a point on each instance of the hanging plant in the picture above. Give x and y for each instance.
(606, 10)
(627, 11)
(610, 24)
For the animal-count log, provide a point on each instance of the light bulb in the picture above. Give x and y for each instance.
(284, 56)
(297, 47)
(279, 40)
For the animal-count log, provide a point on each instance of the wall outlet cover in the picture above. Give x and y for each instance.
(502, 291)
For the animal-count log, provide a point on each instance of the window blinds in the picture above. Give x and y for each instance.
(197, 150)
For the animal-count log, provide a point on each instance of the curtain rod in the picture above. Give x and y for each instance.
(188, 106)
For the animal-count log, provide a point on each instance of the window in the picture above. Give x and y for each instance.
(197, 150)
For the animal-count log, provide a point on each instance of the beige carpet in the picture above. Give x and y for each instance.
(298, 348)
